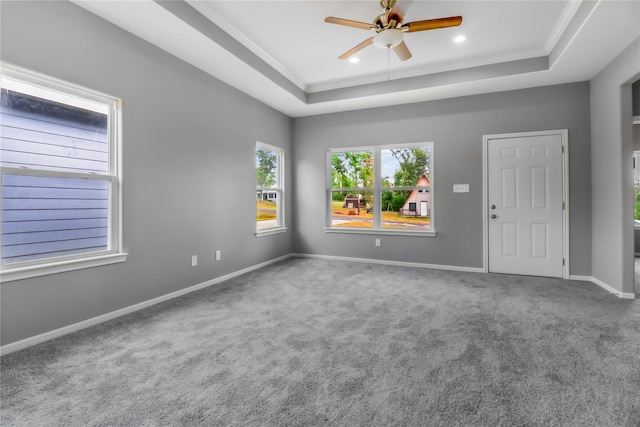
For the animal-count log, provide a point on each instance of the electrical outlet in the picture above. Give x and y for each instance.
(378, 242)
(218, 255)
(194, 260)
(460, 188)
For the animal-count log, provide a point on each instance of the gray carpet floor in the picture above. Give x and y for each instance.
(312, 342)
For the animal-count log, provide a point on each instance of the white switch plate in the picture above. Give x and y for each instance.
(378, 242)
(460, 188)
(194, 260)
(218, 255)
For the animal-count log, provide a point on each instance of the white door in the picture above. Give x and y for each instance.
(525, 195)
(423, 208)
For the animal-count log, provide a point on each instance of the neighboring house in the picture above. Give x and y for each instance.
(353, 201)
(419, 201)
(270, 196)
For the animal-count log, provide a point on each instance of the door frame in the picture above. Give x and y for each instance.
(564, 135)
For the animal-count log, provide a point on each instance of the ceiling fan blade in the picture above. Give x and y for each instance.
(349, 23)
(432, 24)
(402, 51)
(358, 48)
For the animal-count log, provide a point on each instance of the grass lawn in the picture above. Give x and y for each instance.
(265, 210)
(387, 216)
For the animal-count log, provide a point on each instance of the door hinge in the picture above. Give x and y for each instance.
(562, 205)
(563, 262)
(562, 149)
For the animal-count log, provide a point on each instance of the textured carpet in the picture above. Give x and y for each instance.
(312, 342)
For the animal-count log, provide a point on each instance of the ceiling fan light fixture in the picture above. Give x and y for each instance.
(388, 38)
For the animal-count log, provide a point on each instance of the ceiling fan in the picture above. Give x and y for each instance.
(390, 30)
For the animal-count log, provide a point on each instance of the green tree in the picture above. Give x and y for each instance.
(352, 169)
(360, 168)
(413, 163)
(266, 169)
(339, 172)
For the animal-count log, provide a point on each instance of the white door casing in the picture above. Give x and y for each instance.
(525, 192)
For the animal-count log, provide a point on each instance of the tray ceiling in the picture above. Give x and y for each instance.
(284, 54)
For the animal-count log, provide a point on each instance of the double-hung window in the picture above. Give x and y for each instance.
(60, 176)
(636, 187)
(269, 189)
(381, 189)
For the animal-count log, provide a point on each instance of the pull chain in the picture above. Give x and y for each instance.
(388, 64)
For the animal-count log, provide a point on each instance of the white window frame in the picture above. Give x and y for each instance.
(68, 93)
(279, 189)
(377, 192)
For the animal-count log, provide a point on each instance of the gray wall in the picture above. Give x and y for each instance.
(456, 126)
(189, 167)
(612, 173)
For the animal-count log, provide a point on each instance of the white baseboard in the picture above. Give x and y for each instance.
(28, 342)
(388, 262)
(606, 287)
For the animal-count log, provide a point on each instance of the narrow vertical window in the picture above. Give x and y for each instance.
(59, 176)
(636, 188)
(269, 189)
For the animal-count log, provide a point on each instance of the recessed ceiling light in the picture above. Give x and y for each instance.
(460, 39)
(354, 59)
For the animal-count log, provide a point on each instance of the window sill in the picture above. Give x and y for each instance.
(380, 232)
(271, 231)
(20, 273)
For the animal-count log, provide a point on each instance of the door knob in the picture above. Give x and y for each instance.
(494, 216)
(493, 206)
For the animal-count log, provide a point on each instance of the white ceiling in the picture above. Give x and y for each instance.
(284, 54)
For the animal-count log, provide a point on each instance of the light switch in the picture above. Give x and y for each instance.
(460, 188)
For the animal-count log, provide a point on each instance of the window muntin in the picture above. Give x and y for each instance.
(59, 174)
(398, 177)
(269, 188)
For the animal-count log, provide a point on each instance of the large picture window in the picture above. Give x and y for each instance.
(269, 189)
(59, 176)
(381, 189)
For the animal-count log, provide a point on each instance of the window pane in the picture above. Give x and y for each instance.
(405, 166)
(406, 209)
(43, 134)
(636, 186)
(352, 209)
(267, 204)
(46, 217)
(267, 168)
(352, 169)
